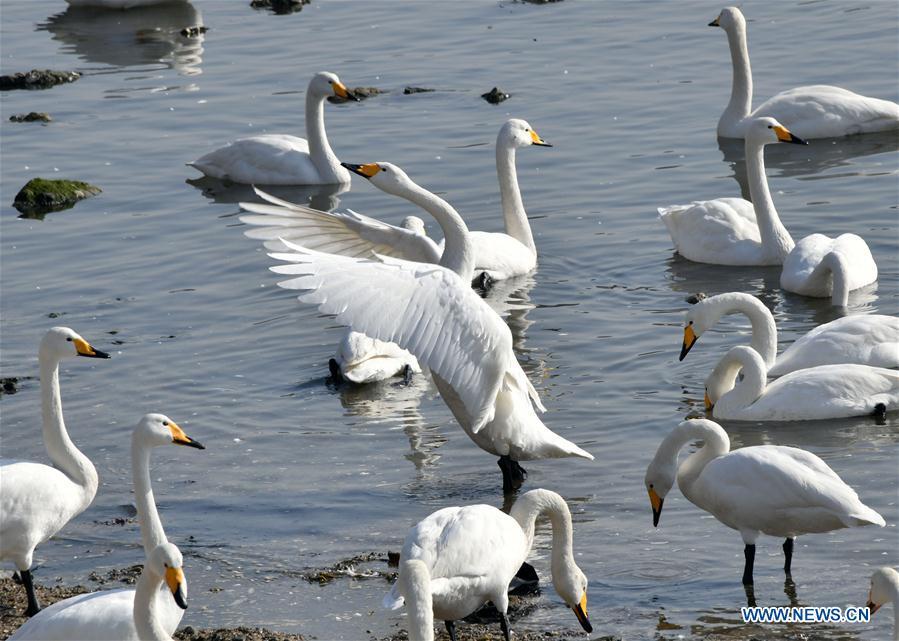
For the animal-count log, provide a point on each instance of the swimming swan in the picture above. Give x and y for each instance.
(863, 339)
(78, 619)
(817, 111)
(885, 589)
(279, 159)
(432, 311)
(95, 615)
(825, 391)
(823, 267)
(763, 489)
(459, 558)
(38, 500)
(360, 359)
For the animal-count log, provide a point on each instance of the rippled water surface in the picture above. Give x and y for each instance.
(298, 475)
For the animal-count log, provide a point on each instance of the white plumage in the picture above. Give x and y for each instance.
(824, 267)
(885, 589)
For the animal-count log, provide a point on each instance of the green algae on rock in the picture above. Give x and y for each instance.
(37, 79)
(41, 196)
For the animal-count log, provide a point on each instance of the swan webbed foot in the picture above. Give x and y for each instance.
(334, 369)
(749, 555)
(788, 555)
(504, 625)
(880, 414)
(407, 374)
(450, 629)
(513, 474)
(34, 606)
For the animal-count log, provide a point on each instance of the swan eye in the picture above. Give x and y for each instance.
(770, 126)
(165, 423)
(650, 486)
(69, 339)
(690, 323)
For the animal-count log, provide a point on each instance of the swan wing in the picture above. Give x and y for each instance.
(100, 616)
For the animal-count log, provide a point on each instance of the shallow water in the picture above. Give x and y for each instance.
(299, 475)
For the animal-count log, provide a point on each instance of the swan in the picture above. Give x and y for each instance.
(733, 231)
(38, 500)
(279, 159)
(885, 589)
(432, 311)
(498, 255)
(817, 111)
(825, 391)
(120, 4)
(95, 615)
(762, 489)
(863, 339)
(823, 267)
(79, 617)
(458, 558)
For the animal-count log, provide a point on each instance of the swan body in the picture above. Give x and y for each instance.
(862, 339)
(733, 231)
(470, 554)
(763, 489)
(278, 159)
(38, 500)
(824, 267)
(81, 617)
(885, 589)
(826, 391)
(367, 360)
(817, 111)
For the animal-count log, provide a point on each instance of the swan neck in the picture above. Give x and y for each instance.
(716, 443)
(764, 330)
(543, 503)
(740, 103)
(514, 214)
(894, 597)
(152, 533)
(146, 611)
(458, 253)
(840, 278)
(415, 586)
(747, 391)
(320, 151)
(776, 240)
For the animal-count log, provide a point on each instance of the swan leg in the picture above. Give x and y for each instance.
(749, 554)
(407, 374)
(34, 605)
(504, 625)
(451, 629)
(788, 555)
(334, 368)
(513, 474)
(750, 594)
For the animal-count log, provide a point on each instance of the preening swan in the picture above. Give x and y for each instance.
(863, 339)
(458, 558)
(824, 267)
(361, 360)
(885, 589)
(826, 391)
(733, 231)
(763, 489)
(38, 500)
(81, 616)
(817, 111)
(432, 311)
(90, 616)
(279, 159)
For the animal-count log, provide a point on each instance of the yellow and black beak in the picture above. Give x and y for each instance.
(708, 402)
(872, 607)
(174, 578)
(180, 438)
(537, 140)
(716, 22)
(341, 91)
(84, 349)
(784, 135)
(690, 339)
(580, 611)
(366, 171)
(656, 502)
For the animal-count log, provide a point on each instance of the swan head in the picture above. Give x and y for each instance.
(385, 176)
(325, 83)
(724, 377)
(767, 130)
(884, 583)
(166, 563)
(414, 223)
(659, 479)
(729, 19)
(519, 133)
(158, 429)
(571, 584)
(62, 342)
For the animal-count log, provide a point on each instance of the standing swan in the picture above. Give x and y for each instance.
(885, 589)
(115, 608)
(38, 500)
(763, 489)
(864, 339)
(279, 159)
(817, 111)
(461, 557)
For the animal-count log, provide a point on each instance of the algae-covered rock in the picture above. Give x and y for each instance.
(37, 79)
(41, 196)
(495, 96)
(31, 116)
(411, 90)
(280, 7)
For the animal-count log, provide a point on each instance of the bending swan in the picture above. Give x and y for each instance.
(763, 489)
(885, 589)
(817, 111)
(38, 500)
(459, 558)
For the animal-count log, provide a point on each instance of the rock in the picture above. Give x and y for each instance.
(495, 96)
(193, 32)
(695, 298)
(37, 79)
(409, 90)
(9, 385)
(31, 116)
(360, 92)
(280, 7)
(41, 196)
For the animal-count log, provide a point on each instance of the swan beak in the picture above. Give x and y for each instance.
(872, 607)
(784, 135)
(715, 22)
(366, 171)
(690, 339)
(656, 502)
(537, 140)
(174, 577)
(341, 91)
(84, 349)
(580, 611)
(180, 438)
(708, 402)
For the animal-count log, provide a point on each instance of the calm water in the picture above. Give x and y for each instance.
(298, 475)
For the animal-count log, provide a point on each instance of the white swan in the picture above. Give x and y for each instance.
(733, 231)
(461, 557)
(279, 159)
(817, 111)
(863, 339)
(38, 500)
(78, 618)
(885, 589)
(763, 489)
(824, 267)
(100, 615)
(432, 311)
(826, 391)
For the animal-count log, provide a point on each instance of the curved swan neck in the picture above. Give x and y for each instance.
(146, 613)
(740, 103)
(458, 253)
(716, 443)
(514, 215)
(542, 502)
(319, 148)
(152, 533)
(840, 277)
(62, 451)
(776, 240)
(748, 390)
(415, 586)
(764, 330)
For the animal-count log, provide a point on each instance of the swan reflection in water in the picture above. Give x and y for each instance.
(321, 197)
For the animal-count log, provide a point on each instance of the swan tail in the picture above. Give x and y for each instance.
(865, 516)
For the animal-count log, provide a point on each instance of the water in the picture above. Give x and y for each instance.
(298, 475)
